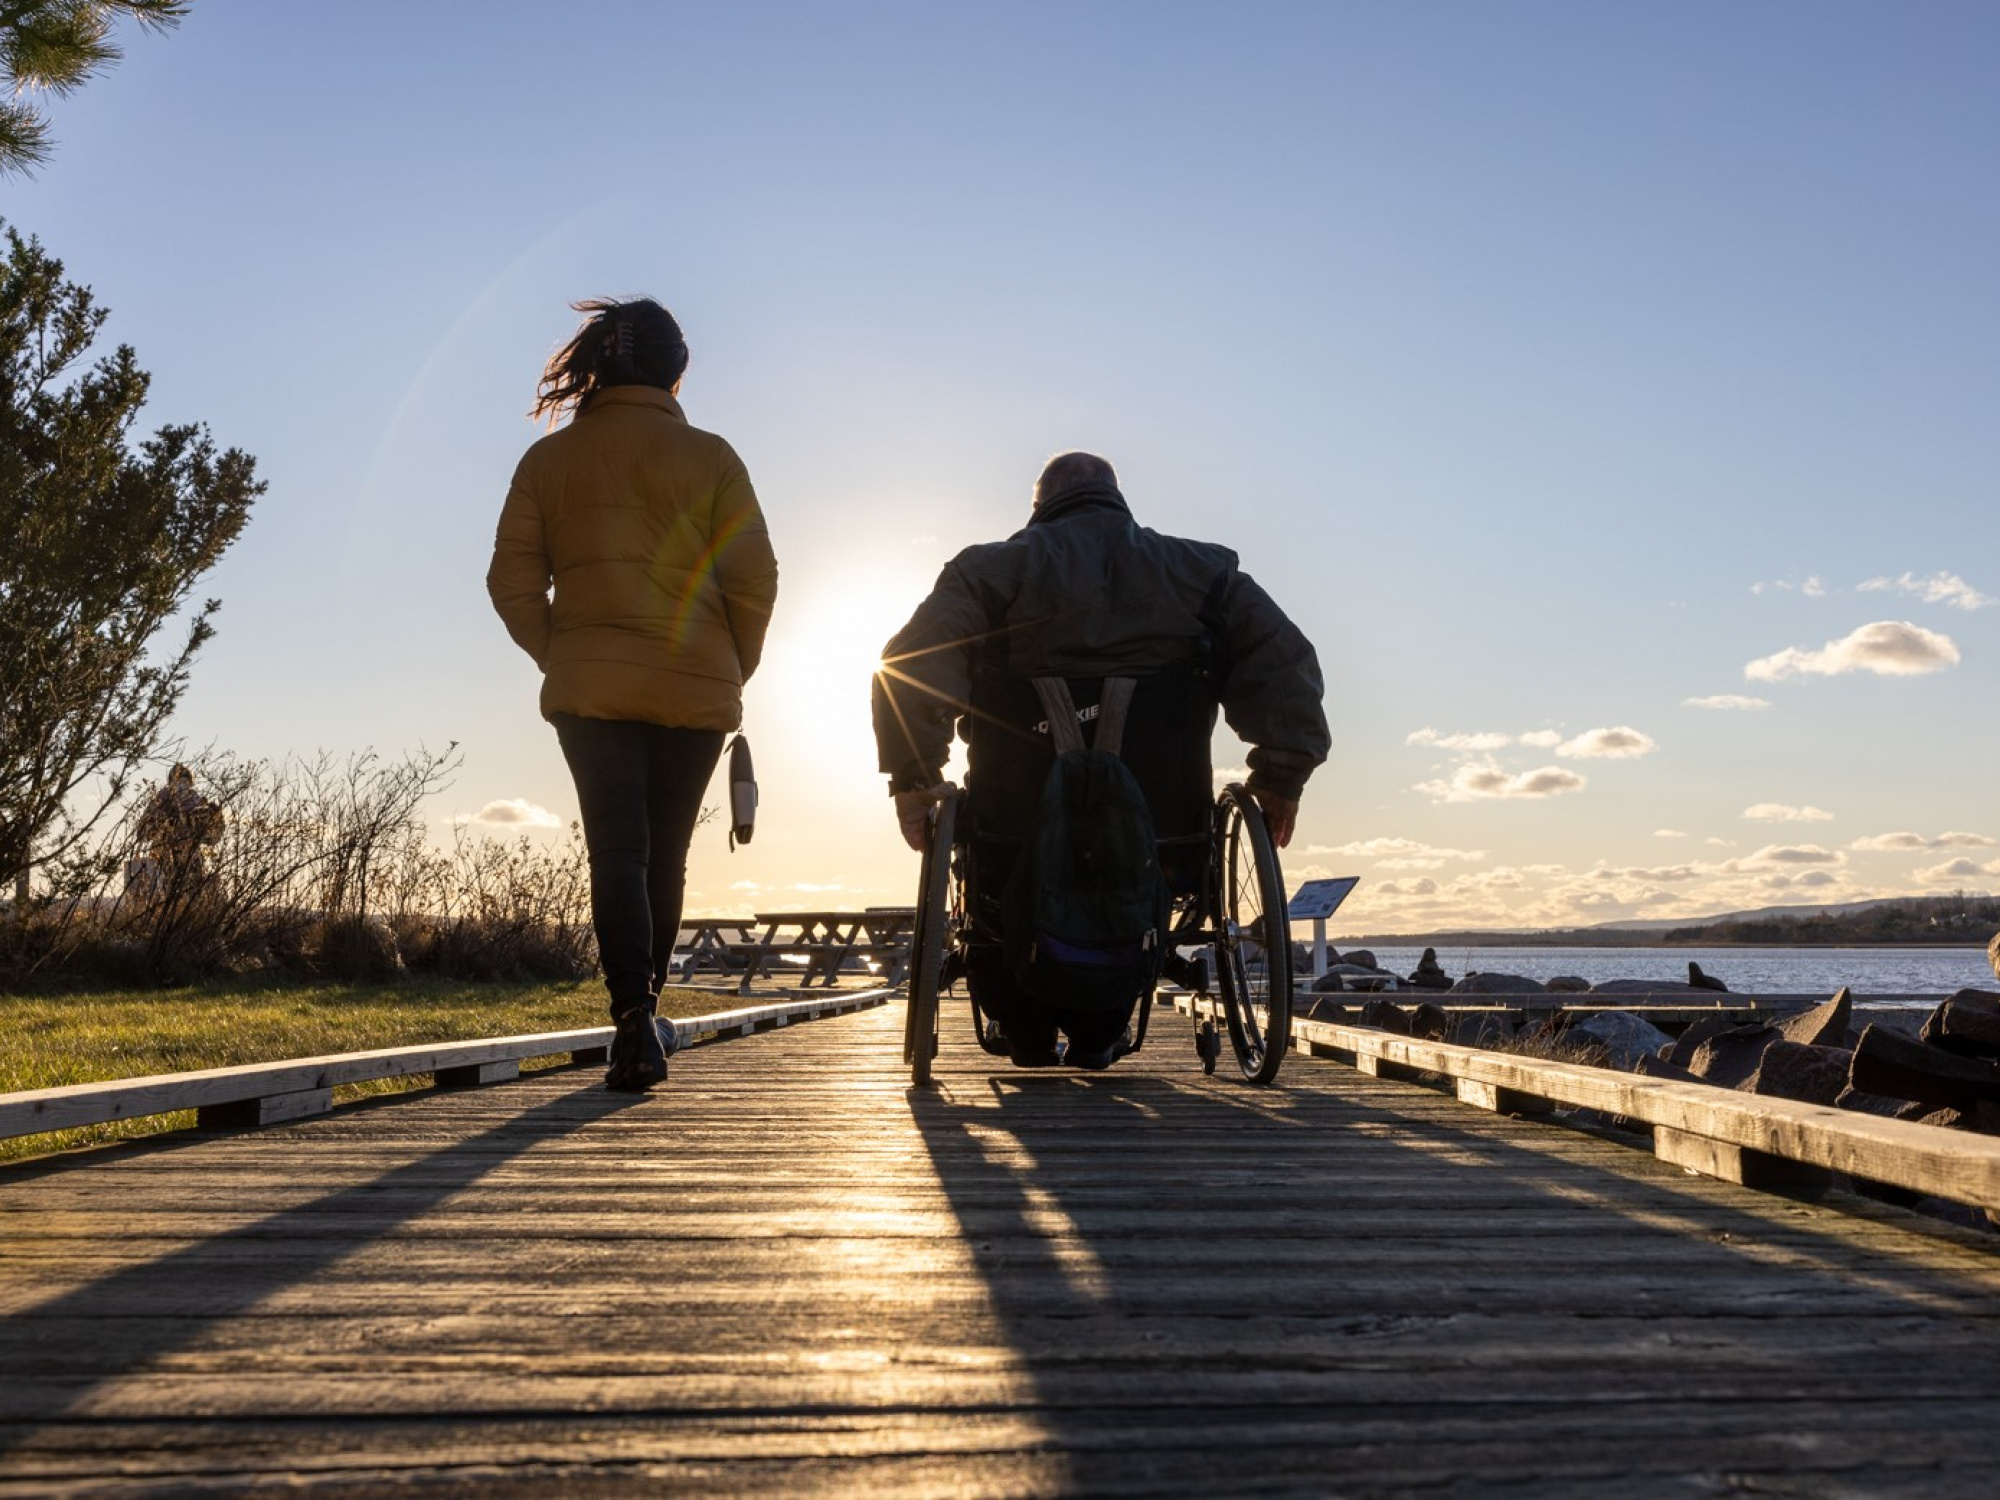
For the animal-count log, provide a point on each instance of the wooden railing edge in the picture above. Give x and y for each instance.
(1754, 1139)
(260, 1093)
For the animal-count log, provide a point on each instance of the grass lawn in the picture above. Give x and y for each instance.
(47, 1041)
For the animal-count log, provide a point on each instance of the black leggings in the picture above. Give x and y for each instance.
(640, 787)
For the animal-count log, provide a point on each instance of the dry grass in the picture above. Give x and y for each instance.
(54, 1040)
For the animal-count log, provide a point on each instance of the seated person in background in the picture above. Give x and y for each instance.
(1084, 592)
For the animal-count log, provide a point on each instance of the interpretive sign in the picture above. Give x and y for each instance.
(1320, 899)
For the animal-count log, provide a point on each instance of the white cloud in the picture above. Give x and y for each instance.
(1816, 878)
(1720, 843)
(1888, 648)
(513, 812)
(1397, 854)
(1487, 782)
(1792, 854)
(1542, 739)
(1470, 744)
(1780, 812)
(1726, 702)
(1658, 872)
(1812, 588)
(1939, 588)
(1620, 743)
(1226, 774)
(1422, 887)
(1958, 869)
(1955, 839)
(1668, 833)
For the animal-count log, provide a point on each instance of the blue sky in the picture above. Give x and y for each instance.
(1554, 364)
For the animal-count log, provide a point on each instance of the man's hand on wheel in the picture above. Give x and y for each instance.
(913, 814)
(1281, 814)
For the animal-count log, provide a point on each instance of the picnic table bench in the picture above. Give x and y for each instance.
(826, 940)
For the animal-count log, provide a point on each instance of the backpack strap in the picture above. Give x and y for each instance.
(1112, 708)
(1061, 709)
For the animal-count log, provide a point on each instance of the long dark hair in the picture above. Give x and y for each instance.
(633, 342)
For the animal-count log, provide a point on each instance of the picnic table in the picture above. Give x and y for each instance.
(826, 940)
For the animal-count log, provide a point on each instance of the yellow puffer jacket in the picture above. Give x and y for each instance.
(661, 566)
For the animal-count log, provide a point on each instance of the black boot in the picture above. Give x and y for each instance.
(638, 1058)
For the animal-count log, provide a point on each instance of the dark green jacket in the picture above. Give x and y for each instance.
(1085, 591)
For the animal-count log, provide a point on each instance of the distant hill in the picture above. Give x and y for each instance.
(1762, 913)
(1951, 921)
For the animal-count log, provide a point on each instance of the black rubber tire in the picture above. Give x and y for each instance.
(1257, 1005)
(920, 1024)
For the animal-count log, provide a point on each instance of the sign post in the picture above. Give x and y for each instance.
(1320, 899)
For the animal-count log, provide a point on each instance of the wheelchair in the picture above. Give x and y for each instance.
(1228, 931)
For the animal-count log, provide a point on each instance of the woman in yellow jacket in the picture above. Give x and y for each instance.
(633, 565)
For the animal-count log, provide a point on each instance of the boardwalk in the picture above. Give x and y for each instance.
(788, 1273)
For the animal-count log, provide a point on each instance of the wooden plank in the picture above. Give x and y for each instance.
(1755, 1169)
(474, 1074)
(1924, 1158)
(790, 1272)
(36, 1110)
(1377, 1067)
(266, 1109)
(1498, 1100)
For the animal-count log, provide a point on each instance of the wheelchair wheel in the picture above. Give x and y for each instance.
(1253, 947)
(927, 939)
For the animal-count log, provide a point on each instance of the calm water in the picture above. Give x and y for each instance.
(1772, 971)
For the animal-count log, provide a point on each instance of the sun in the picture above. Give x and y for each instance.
(820, 659)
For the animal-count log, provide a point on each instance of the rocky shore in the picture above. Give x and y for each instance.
(1943, 1071)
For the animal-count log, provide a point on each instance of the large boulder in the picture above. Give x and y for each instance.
(1568, 984)
(1729, 1057)
(1885, 1062)
(1968, 1023)
(1624, 1037)
(1697, 1032)
(1889, 1108)
(1431, 1022)
(1643, 987)
(1361, 958)
(1822, 1026)
(1659, 1067)
(1498, 984)
(1790, 1070)
(1385, 1016)
(1484, 1029)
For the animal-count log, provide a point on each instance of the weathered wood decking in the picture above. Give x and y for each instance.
(790, 1273)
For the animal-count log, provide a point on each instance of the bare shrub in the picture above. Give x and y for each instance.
(495, 909)
(316, 866)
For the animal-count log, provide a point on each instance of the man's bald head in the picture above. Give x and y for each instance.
(1073, 471)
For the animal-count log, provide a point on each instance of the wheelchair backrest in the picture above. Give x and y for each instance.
(1166, 747)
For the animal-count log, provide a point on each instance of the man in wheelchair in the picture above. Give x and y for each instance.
(1086, 595)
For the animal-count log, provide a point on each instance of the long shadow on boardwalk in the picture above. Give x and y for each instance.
(1343, 1290)
(225, 1275)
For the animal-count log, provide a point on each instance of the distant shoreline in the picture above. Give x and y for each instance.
(1599, 939)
